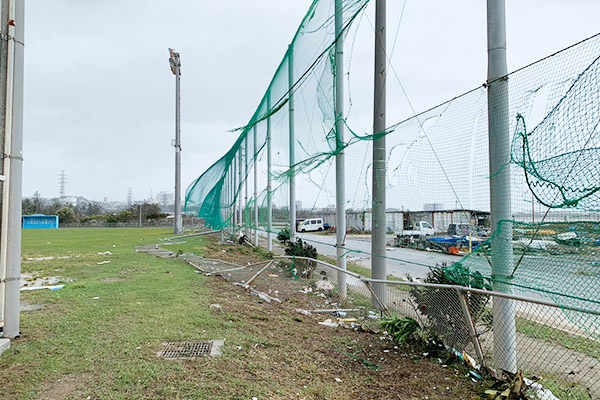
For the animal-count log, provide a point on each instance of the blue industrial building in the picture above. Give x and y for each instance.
(40, 221)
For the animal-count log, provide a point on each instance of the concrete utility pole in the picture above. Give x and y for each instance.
(292, 144)
(269, 194)
(378, 239)
(175, 63)
(505, 349)
(340, 173)
(11, 102)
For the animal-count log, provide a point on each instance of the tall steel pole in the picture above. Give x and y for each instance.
(505, 353)
(246, 216)
(234, 193)
(239, 189)
(269, 194)
(378, 239)
(12, 26)
(176, 69)
(292, 144)
(340, 173)
(255, 189)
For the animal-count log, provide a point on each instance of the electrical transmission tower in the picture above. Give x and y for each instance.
(62, 181)
(129, 197)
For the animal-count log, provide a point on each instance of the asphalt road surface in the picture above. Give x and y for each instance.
(400, 261)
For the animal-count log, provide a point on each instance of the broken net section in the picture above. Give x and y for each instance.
(301, 94)
(437, 160)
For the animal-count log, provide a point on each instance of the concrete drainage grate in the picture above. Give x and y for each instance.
(189, 350)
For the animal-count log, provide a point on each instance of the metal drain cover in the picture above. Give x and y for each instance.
(189, 350)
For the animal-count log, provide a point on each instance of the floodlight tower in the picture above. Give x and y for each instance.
(176, 69)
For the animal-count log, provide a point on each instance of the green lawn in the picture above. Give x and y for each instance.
(98, 337)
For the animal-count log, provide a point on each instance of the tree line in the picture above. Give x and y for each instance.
(90, 212)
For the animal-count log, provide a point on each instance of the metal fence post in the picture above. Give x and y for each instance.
(471, 326)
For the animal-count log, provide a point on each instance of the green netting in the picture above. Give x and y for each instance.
(305, 75)
(437, 160)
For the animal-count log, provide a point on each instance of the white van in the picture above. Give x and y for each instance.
(310, 225)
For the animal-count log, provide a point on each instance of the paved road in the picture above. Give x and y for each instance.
(400, 261)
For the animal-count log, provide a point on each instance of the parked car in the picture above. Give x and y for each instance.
(311, 225)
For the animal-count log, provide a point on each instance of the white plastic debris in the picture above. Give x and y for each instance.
(102, 262)
(537, 391)
(329, 323)
(27, 289)
(105, 253)
(324, 285)
(215, 305)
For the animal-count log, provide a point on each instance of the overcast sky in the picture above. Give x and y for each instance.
(99, 94)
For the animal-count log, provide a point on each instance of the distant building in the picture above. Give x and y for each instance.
(40, 221)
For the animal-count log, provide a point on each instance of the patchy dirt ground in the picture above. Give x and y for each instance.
(323, 362)
(98, 338)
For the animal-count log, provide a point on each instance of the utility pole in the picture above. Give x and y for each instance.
(378, 239)
(340, 173)
(246, 214)
(11, 126)
(175, 63)
(269, 194)
(141, 215)
(234, 194)
(505, 349)
(292, 143)
(239, 189)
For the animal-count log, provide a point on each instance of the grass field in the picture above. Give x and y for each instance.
(98, 337)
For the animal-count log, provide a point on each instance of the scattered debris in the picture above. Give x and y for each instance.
(306, 290)
(102, 262)
(537, 391)
(47, 258)
(30, 307)
(264, 296)
(215, 306)
(303, 312)
(105, 253)
(329, 323)
(335, 310)
(475, 375)
(30, 288)
(325, 285)
(95, 298)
